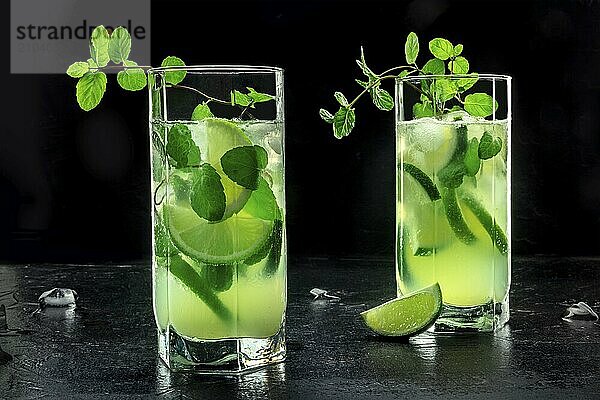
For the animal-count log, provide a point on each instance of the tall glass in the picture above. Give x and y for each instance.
(218, 201)
(453, 196)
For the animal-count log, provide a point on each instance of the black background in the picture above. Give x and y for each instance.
(74, 186)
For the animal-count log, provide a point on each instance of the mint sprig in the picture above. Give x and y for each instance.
(106, 47)
(436, 93)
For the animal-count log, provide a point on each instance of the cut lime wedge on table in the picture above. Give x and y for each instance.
(408, 315)
(222, 136)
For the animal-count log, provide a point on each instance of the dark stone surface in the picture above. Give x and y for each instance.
(105, 348)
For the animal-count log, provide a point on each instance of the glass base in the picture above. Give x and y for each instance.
(487, 317)
(231, 356)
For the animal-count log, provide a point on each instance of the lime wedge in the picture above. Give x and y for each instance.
(222, 136)
(407, 315)
(226, 242)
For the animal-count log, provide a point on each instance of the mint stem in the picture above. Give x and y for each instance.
(202, 94)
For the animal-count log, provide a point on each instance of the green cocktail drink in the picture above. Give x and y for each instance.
(453, 212)
(219, 262)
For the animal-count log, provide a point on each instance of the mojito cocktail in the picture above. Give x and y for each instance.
(453, 207)
(219, 262)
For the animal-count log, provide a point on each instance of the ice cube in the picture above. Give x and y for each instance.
(459, 115)
(428, 135)
(58, 297)
(275, 143)
(580, 312)
(320, 293)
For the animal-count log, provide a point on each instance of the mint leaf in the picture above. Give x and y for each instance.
(119, 45)
(480, 104)
(92, 63)
(343, 122)
(467, 83)
(421, 110)
(262, 203)
(99, 46)
(243, 165)
(382, 99)
(181, 148)
(363, 66)
(258, 97)
(443, 89)
(451, 176)
(441, 48)
(176, 76)
(201, 112)
(90, 89)
(362, 83)
(434, 67)
(207, 196)
(458, 49)
(78, 69)
(472, 160)
(218, 276)
(339, 96)
(489, 146)
(411, 48)
(240, 99)
(459, 65)
(326, 116)
(131, 78)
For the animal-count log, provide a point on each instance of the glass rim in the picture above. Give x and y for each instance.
(486, 76)
(227, 68)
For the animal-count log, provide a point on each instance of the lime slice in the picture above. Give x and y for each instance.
(423, 217)
(407, 315)
(485, 219)
(222, 136)
(226, 242)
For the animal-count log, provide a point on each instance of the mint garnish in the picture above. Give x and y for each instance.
(78, 69)
(174, 77)
(480, 104)
(181, 147)
(119, 45)
(489, 146)
(131, 78)
(99, 46)
(411, 48)
(244, 164)
(201, 112)
(219, 276)
(435, 93)
(207, 196)
(90, 89)
(262, 203)
(472, 160)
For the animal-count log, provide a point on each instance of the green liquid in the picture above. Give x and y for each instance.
(470, 272)
(241, 299)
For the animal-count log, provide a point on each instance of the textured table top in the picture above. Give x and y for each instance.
(106, 347)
